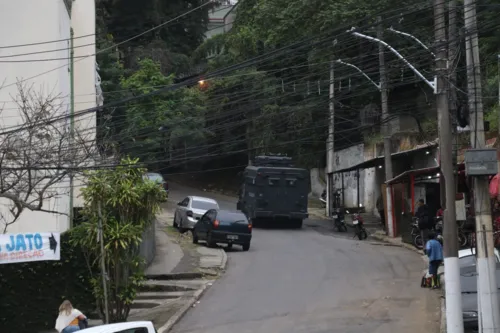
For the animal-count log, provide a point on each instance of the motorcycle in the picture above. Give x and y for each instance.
(438, 229)
(359, 228)
(339, 220)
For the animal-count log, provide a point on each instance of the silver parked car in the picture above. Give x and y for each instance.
(189, 211)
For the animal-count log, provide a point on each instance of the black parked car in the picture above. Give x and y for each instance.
(226, 227)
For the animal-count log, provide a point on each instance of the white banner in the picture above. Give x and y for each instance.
(26, 247)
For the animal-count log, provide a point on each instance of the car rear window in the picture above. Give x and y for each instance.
(155, 177)
(230, 217)
(205, 205)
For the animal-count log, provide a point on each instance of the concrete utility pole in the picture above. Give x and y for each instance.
(385, 124)
(498, 76)
(454, 319)
(385, 106)
(487, 286)
(452, 74)
(330, 144)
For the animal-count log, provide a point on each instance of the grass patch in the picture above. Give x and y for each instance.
(184, 240)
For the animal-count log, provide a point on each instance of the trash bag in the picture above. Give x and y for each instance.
(426, 281)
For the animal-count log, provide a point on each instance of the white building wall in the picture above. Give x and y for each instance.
(318, 183)
(28, 22)
(83, 22)
(344, 159)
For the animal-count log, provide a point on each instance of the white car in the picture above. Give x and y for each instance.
(467, 257)
(129, 327)
(189, 211)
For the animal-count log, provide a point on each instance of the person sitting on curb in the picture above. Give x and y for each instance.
(434, 250)
(69, 318)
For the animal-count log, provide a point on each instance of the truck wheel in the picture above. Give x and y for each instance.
(246, 247)
(297, 224)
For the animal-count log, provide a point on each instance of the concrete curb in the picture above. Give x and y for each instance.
(384, 238)
(175, 276)
(442, 326)
(182, 311)
(223, 261)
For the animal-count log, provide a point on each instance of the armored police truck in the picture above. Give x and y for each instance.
(273, 189)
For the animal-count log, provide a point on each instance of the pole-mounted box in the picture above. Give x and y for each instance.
(481, 162)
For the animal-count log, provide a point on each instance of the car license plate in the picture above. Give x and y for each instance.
(335, 216)
(232, 237)
(355, 222)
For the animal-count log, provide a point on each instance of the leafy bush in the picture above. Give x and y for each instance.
(126, 203)
(30, 293)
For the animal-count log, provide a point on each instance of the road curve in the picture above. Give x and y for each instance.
(303, 281)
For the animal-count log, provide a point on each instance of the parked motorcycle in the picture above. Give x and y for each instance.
(339, 220)
(438, 229)
(359, 228)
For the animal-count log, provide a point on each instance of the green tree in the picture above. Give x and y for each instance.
(127, 204)
(170, 45)
(292, 120)
(180, 113)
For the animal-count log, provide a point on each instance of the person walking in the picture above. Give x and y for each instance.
(423, 216)
(381, 210)
(69, 318)
(434, 251)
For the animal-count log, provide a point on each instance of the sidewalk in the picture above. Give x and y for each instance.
(168, 254)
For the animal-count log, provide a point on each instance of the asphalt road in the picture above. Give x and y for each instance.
(308, 281)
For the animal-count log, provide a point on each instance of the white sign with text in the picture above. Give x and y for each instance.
(24, 247)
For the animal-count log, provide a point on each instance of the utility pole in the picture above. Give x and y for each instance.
(72, 124)
(454, 319)
(385, 126)
(498, 77)
(487, 286)
(452, 76)
(103, 262)
(385, 106)
(330, 144)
